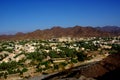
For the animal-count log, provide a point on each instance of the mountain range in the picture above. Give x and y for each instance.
(57, 31)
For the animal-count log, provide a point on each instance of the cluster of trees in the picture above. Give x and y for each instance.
(9, 65)
(2, 56)
(115, 49)
(45, 63)
(11, 68)
(36, 56)
(5, 49)
(87, 45)
(4, 46)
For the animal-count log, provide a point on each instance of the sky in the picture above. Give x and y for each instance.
(29, 15)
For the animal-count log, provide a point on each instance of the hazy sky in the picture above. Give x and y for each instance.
(29, 15)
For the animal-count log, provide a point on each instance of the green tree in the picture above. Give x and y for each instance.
(53, 54)
(5, 75)
(73, 60)
(81, 56)
(36, 56)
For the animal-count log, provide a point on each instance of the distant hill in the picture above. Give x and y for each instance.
(57, 31)
(115, 30)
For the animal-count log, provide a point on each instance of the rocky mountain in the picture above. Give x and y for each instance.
(76, 31)
(115, 30)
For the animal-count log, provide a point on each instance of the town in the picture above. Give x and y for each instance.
(27, 58)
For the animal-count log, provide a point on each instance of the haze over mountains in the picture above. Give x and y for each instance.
(111, 29)
(57, 31)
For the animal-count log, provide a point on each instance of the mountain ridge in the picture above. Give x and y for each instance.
(57, 31)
